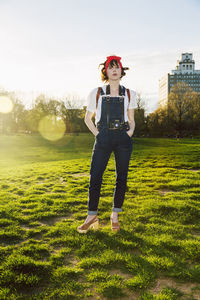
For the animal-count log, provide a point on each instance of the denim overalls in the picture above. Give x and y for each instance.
(106, 141)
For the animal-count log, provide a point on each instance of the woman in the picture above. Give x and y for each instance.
(114, 128)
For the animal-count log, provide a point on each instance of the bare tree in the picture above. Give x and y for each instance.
(179, 105)
(72, 113)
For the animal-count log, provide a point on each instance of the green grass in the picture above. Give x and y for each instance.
(43, 198)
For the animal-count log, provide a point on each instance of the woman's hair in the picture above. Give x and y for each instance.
(113, 62)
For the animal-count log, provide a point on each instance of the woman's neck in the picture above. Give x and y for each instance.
(114, 87)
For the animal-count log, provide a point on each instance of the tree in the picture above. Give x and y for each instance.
(72, 115)
(179, 105)
(12, 120)
(140, 116)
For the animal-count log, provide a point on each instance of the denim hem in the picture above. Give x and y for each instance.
(116, 209)
(92, 212)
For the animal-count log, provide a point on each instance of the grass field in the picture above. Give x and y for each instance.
(43, 198)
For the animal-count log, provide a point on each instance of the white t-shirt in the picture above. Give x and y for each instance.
(91, 103)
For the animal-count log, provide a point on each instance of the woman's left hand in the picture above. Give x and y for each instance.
(130, 132)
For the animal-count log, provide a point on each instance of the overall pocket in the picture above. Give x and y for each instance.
(99, 133)
(125, 132)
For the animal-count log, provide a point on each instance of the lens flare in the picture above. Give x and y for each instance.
(6, 104)
(51, 127)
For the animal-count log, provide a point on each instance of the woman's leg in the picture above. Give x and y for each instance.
(100, 158)
(122, 154)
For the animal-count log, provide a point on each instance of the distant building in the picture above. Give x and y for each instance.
(185, 71)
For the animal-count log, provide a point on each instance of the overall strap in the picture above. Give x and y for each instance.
(122, 90)
(99, 91)
(108, 103)
(108, 89)
(121, 100)
(97, 96)
(129, 96)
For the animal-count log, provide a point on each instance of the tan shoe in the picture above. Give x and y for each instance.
(114, 225)
(94, 223)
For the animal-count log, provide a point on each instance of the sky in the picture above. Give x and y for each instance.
(55, 46)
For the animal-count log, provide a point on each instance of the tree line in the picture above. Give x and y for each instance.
(179, 116)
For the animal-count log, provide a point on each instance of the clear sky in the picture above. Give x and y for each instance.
(55, 46)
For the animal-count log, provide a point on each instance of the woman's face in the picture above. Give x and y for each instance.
(114, 73)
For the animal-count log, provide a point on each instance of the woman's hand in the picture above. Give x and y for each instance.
(130, 133)
(96, 133)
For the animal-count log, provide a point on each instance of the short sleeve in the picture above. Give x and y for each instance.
(91, 100)
(133, 103)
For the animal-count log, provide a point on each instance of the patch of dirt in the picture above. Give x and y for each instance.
(193, 170)
(56, 249)
(71, 261)
(196, 295)
(53, 220)
(80, 174)
(95, 295)
(74, 261)
(134, 250)
(25, 227)
(129, 295)
(165, 191)
(185, 288)
(38, 236)
(120, 273)
(195, 233)
(62, 180)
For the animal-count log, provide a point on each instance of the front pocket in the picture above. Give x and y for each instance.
(127, 135)
(99, 133)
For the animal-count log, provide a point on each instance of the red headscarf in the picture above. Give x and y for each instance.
(109, 58)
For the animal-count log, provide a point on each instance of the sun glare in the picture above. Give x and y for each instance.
(51, 128)
(6, 104)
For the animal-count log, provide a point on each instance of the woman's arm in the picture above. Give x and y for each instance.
(88, 121)
(131, 121)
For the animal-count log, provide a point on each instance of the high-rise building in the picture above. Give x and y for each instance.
(185, 71)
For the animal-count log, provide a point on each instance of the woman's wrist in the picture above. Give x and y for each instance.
(96, 133)
(130, 132)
